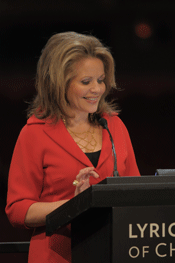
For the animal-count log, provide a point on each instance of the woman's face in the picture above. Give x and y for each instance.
(86, 88)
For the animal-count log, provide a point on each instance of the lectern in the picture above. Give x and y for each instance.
(123, 219)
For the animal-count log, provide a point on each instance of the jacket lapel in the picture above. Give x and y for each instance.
(61, 136)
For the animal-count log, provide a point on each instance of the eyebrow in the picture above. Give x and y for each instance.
(103, 75)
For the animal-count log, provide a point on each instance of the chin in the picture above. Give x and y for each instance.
(92, 111)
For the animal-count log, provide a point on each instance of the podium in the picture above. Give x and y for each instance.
(121, 219)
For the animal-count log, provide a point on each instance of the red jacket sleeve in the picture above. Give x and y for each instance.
(25, 176)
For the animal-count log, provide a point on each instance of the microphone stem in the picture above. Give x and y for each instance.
(115, 172)
(103, 123)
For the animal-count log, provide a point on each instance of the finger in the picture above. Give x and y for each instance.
(78, 188)
(94, 174)
(80, 184)
(81, 187)
(83, 172)
(86, 170)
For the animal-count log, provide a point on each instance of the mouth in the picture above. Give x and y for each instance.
(91, 99)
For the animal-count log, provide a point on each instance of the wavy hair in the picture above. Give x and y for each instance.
(55, 69)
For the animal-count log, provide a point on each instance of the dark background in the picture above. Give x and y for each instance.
(144, 73)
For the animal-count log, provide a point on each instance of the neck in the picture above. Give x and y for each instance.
(77, 120)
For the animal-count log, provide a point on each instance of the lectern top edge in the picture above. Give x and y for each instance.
(122, 191)
(139, 179)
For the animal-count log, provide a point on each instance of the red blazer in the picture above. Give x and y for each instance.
(45, 162)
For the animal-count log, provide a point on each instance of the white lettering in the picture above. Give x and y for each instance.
(144, 251)
(169, 230)
(130, 232)
(163, 229)
(137, 252)
(171, 249)
(153, 229)
(142, 229)
(157, 252)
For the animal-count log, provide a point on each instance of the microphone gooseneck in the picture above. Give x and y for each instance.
(104, 124)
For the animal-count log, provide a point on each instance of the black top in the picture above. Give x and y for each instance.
(93, 157)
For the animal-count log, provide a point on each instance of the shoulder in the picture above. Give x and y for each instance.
(33, 126)
(34, 129)
(113, 119)
(116, 124)
(33, 121)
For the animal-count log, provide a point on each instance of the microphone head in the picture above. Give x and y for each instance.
(103, 123)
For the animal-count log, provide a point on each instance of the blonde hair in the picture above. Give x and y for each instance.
(55, 70)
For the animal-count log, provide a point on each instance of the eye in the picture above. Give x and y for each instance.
(85, 82)
(100, 80)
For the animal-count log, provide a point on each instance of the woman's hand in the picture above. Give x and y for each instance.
(83, 179)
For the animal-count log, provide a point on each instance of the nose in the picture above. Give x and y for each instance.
(96, 87)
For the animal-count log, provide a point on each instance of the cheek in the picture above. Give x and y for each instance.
(103, 89)
(74, 93)
(79, 92)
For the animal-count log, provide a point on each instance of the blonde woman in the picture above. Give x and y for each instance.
(62, 150)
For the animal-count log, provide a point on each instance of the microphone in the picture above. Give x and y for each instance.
(104, 124)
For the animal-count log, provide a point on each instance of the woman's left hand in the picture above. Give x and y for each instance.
(83, 179)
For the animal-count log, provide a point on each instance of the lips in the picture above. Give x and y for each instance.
(91, 99)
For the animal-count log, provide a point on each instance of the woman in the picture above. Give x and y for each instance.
(62, 150)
